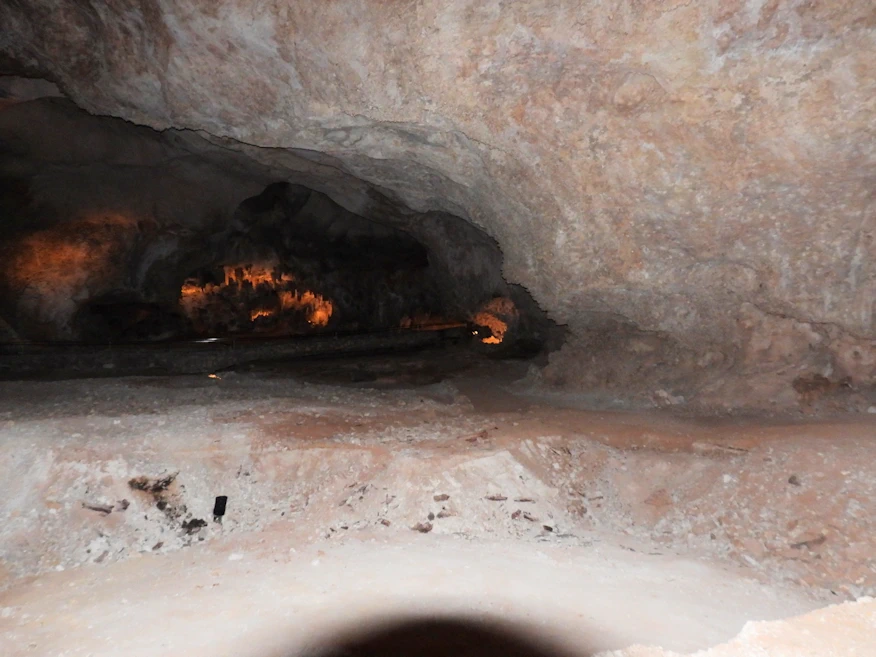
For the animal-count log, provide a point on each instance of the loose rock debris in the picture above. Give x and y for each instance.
(808, 542)
(105, 509)
(670, 493)
(480, 435)
(194, 525)
(152, 484)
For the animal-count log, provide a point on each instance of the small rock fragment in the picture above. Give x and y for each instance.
(480, 435)
(794, 480)
(122, 505)
(194, 525)
(809, 541)
(516, 514)
(443, 497)
(547, 528)
(152, 484)
(444, 513)
(100, 508)
(431, 516)
(496, 498)
(385, 522)
(423, 527)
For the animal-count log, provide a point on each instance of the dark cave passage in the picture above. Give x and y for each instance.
(294, 262)
(118, 234)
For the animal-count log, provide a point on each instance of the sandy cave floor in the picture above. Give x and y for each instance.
(388, 487)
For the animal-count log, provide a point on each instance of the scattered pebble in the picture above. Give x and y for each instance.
(105, 509)
(443, 497)
(423, 527)
(809, 541)
(194, 525)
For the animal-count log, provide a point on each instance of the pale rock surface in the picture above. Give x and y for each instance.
(838, 631)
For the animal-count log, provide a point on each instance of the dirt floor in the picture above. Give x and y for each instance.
(374, 490)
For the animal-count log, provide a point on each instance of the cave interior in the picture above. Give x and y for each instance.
(307, 382)
(119, 234)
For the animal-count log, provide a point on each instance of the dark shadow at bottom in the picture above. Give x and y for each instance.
(442, 637)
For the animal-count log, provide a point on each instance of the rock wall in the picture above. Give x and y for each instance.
(700, 173)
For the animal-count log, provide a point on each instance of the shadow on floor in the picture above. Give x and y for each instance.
(442, 637)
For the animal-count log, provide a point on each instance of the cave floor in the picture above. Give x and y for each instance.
(430, 483)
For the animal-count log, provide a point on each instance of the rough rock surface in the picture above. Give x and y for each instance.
(356, 500)
(702, 173)
(812, 635)
(329, 449)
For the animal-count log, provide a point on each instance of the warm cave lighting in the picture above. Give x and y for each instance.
(262, 312)
(261, 297)
(492, 320)
(319, 310)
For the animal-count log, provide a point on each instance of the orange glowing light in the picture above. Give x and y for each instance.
(255, 275)
(319, 309)
(262, 312)
(56, 267)
(495, 315)
(256, 284)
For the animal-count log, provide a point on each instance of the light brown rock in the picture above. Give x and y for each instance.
(703, 172)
